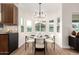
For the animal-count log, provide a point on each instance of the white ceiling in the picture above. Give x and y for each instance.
(46, 7)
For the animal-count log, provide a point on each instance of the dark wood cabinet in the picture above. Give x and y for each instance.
(8, 43)
(3, 44)
(9, 14)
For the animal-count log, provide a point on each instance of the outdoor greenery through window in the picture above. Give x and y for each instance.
(22, 28)
(75, 22)
(75, 25)
(22, 24)
(29, 29)
(51, 25)
(58, 24)
(29, 26)
(40, 27)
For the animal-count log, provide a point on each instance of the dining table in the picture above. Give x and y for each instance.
(46, 40)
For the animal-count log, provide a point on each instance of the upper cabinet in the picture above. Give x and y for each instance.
(9, 14)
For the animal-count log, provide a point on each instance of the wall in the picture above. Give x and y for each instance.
(67, 11)
(50, 15)
(54, 16)
(58, 35)
(21, 13)
(28, 15)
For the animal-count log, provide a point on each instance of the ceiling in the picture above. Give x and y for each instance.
(46, 7)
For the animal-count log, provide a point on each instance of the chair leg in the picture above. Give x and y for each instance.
(34, 48)
(45, 47)
(44, 51)
(25, 46)
(35, 52)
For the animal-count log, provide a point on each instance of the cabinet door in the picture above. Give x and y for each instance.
(15, 15)
(7, 13)
(4, 43)
(13, 41)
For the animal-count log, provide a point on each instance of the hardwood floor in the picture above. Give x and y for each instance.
(49, 51)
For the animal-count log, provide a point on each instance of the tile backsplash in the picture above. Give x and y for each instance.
(10, 28)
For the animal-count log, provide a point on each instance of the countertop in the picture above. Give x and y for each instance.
(7, 32)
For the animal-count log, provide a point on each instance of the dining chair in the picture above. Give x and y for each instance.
(39, 44)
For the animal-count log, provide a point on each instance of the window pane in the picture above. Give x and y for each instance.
(75, 22)
(22, 24)
(58, 24)
(58, 27)
(22, 28)
(75, 26)
(29, 26)
(29, 29)
(37, 27)
(40, 27)
(43, 27)
(51, 28)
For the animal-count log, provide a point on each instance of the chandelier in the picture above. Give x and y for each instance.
(40, 14)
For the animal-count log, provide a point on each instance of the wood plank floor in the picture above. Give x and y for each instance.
(49, 51)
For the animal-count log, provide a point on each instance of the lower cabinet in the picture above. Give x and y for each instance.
(8, 43)
(13, 42)
(3, 44)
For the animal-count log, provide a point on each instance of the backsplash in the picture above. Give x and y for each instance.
(10, 28)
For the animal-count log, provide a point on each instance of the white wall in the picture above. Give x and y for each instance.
(67, 11)
(58, 35)
(49, 16)
(27, 15)
(21, 13)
